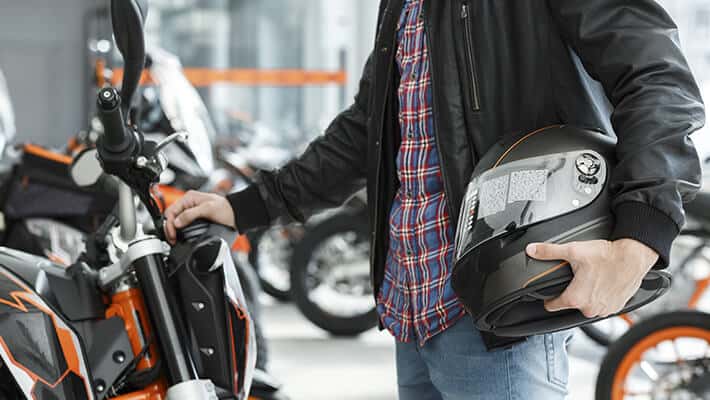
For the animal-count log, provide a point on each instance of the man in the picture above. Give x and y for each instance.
(446, 80)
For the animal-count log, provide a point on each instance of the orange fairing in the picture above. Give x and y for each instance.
(166, 195)
(129, 305)
(244, 316)
(44, 153)
(155, 391)
(241, 244)
(68, 341)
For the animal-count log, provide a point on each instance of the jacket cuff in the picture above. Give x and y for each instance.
(249, 209)
(648, 225)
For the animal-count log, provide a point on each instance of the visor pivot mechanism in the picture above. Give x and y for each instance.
(588, 164)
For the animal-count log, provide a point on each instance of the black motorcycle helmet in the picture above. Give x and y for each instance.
(549, 186)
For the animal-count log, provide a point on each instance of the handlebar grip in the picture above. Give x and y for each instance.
(116, 138)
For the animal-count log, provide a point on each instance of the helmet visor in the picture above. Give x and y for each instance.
(522, 193)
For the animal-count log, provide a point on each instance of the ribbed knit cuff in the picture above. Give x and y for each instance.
(249, 209)
(648, 225)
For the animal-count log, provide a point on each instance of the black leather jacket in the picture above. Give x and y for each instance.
(501, 69)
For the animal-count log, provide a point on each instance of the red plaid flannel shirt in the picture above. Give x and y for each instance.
(416, 300)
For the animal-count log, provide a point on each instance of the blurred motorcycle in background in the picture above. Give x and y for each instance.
(330, 276)
(251, 148)
(665, 357)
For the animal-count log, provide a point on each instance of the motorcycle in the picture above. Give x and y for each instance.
(663, 357)
(330, 275)
(157, 321)
(272, 248)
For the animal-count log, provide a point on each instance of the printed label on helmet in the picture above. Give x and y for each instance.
(528, 185)
(493, 195)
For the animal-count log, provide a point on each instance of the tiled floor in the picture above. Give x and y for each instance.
(315, 366)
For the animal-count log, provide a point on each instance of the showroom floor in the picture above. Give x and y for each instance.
(315, 366)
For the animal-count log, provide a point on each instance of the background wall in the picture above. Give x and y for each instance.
(43, 44)
(41, 54)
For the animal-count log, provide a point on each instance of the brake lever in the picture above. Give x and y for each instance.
(175, 137)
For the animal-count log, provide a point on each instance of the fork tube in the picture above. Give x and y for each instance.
(169, 329)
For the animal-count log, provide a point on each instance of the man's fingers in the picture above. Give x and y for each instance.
(560, 303)
(186, 217)
(189, 200)
(548, 251)
(574, 297)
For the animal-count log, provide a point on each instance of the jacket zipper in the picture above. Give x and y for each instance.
(468, 37)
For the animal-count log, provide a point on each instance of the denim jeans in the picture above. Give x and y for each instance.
(455, 365)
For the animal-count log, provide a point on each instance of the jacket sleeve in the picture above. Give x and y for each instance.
(632, 48)
(332, 168)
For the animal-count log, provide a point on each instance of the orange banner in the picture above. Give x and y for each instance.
(201, 77)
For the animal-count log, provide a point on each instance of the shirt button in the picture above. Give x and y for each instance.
(377, 143)
(384, 49)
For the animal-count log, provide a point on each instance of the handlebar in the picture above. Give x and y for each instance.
(116, 137)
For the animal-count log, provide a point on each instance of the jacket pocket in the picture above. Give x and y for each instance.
(470, 56)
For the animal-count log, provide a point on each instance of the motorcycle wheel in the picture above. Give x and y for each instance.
(270, 256)
(341, 305)
(663, 357)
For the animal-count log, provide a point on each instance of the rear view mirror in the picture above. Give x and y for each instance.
(86, 168)
(127, 19)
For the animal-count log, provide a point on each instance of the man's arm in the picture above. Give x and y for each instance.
(325, 175)
(632, 48)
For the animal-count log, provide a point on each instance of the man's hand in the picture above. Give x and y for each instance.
(195, 205)
(606, 274)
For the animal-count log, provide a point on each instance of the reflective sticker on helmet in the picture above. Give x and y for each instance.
(493, 195)
(528, 185)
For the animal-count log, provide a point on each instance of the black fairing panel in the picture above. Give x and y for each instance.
(65, 390)
(31, 338)
(63, 288)
(38, 343)
(205, 312)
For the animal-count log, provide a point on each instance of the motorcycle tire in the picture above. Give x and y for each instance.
(303, 252)
(281, 295)
(622, 351)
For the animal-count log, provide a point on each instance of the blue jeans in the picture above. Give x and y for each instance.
(455, 365)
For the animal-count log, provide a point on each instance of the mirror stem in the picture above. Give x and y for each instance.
(126, 212)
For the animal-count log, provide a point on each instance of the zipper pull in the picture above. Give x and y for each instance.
(464, 11)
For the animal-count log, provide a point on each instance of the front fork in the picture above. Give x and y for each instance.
(168, 327)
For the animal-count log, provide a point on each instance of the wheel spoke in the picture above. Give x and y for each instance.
(648, 370)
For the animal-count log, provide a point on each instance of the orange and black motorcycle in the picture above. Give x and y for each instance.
(135, 318)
